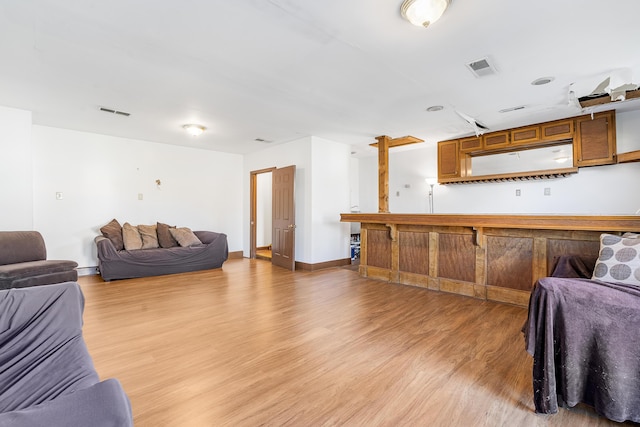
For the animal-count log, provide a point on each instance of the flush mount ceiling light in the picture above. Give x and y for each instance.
(194, 130)
(423, 12)
(435, 108)
(542, 81)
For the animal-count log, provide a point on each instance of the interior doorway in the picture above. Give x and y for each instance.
(272, 216)
(261, 214)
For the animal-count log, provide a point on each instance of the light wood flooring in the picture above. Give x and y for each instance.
(255, 345)
(263, 253)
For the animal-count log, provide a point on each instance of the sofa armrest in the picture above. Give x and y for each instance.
(106, 250)
(207, 237)
(216, 243)
(104, 404)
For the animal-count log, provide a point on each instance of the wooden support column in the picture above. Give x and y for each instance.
(383, 144)
(383, 173)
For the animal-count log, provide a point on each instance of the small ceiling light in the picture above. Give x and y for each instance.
(194, 130)
(510, 109)
(423, 12)
(542, 81)
(434, 108)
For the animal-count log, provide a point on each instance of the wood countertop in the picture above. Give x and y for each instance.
(622, 223)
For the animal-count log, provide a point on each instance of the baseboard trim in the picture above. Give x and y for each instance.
(87, 271)
(322, 265)
(236, 255)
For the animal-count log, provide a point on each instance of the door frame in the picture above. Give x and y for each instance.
(253, 209)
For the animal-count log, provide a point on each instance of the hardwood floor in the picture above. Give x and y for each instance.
(263, 253)
(251, 345)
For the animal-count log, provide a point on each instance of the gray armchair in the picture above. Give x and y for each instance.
(23, 262)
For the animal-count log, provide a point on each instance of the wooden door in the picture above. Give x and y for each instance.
(284, 224)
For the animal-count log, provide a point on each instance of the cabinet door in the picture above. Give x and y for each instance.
(496, 139)
(557, 131)
(526, 135)
(595, 142)
(470, 144)
(448, 160)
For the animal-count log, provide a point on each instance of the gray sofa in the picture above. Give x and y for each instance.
(23, 262)
(47, 377)
(126, 264)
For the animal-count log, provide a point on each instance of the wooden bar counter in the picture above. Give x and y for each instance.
(489, 257)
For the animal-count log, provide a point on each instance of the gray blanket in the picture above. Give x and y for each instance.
(584, 337)
(47, 377)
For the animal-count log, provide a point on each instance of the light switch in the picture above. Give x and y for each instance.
(59, 195)
(140, 196)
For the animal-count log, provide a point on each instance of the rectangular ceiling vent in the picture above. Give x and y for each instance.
(481, 67)
(112, 111)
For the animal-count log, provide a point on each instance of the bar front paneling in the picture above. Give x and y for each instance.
(488, 257)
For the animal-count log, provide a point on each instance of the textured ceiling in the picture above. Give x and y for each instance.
(279, 70)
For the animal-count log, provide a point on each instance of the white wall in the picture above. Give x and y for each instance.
(593, 190)
(331, 196)
(319, 198)
(16, 170)
(264, 209)
(100, 178)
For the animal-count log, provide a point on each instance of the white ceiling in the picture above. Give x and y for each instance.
(279, 70)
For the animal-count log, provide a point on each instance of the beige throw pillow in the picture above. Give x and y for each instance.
(149, 236)
(131, 237)
(185, 236)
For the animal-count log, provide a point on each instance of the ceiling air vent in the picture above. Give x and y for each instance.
(481, 67)
(112, 111)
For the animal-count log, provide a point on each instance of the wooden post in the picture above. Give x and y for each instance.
(383, 173)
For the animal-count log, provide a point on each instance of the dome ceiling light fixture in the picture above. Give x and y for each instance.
(435, 108)
(542, 81)
(423, 13)
(194, 130)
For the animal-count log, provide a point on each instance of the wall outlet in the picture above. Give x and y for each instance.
(547, 191)
(140, 196)
(518, 192)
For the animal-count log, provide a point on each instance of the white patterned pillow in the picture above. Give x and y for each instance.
(619, 259)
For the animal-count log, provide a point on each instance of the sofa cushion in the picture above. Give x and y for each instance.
(35, 268)
(131, 237)
(165, 239)
(619, 259)
(149, 236)
(113, 232)
(185, 236)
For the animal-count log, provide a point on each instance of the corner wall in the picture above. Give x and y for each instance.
(321, 194)
(16, 170)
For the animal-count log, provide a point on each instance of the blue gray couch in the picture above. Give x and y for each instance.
(47, 376)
